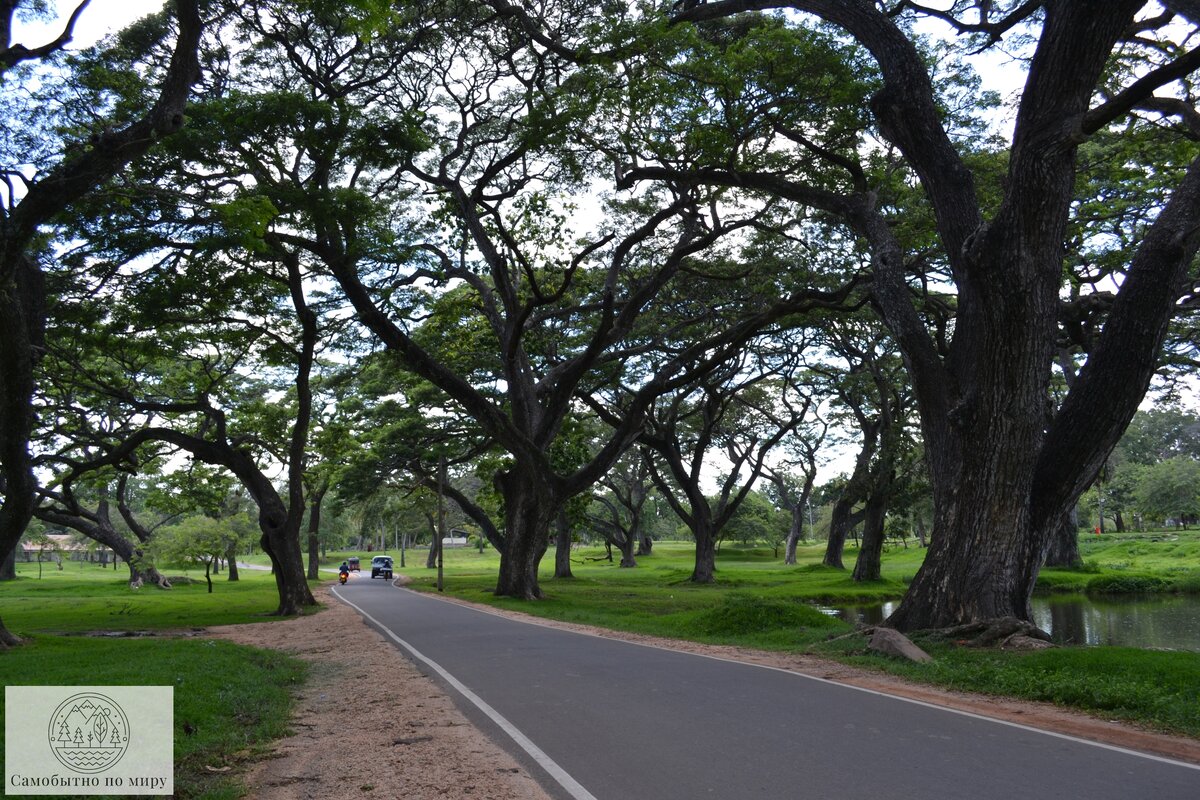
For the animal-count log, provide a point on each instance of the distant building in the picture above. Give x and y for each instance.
(64, 545)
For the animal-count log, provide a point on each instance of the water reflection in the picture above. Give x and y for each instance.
(1168, 622)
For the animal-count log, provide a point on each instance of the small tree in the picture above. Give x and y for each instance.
(200, 539)
(1171, 488)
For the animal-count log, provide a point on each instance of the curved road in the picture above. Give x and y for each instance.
(604, 719)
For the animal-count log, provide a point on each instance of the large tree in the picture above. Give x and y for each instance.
(427, 157)
(34, 199)
(1005, 469)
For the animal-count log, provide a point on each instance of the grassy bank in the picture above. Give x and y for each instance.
(230, 701)
(1148, 687)
(759, 602)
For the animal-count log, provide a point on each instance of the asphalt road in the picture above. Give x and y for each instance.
(599, 718)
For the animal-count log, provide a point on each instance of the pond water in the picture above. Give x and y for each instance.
(1169, 622)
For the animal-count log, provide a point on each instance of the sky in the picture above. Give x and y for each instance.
(99, 18)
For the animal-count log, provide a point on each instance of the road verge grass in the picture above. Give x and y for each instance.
(1151, 688)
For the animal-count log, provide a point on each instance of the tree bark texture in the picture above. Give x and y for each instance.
(529, 512)
(562, 547)
(1064, 545)
(705, 569)
(314, 530)
(795, 534)
(231, 556)
(866, 566)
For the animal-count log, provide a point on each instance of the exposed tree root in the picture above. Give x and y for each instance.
(986, 633)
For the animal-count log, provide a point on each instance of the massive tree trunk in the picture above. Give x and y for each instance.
(1064, 544)
(22, 323)
(983, 562)
(562, 547)
(529, 512)
(281, 542)
(866, 567)
(705, 569)
(8, 567)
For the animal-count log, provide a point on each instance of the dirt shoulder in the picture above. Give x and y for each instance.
(417, 744)
(412, 743)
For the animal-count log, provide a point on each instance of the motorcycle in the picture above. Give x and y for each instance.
(343, 577)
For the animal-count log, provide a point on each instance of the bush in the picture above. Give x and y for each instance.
(1189, 583)
(740, 614)
(1127, 584)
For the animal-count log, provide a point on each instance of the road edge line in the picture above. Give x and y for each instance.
(560, 775)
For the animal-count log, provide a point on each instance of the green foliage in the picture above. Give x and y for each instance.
(200, 538)
(1170, 489)
(757, 521)
(1127, 584)
(1161, 434)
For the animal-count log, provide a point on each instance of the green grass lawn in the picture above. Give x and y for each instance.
(230, 701)
(90, 598)
(759, 602)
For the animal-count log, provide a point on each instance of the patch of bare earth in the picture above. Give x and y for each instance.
(414, 743)
(368, 724)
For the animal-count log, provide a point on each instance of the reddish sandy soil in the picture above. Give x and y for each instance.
(418, 745)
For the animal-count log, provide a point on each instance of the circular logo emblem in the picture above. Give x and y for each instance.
(88, 733)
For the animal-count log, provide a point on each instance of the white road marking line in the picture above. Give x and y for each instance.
(559, 774)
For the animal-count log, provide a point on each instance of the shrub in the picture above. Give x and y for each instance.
(1127, 584)
(740, 614)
